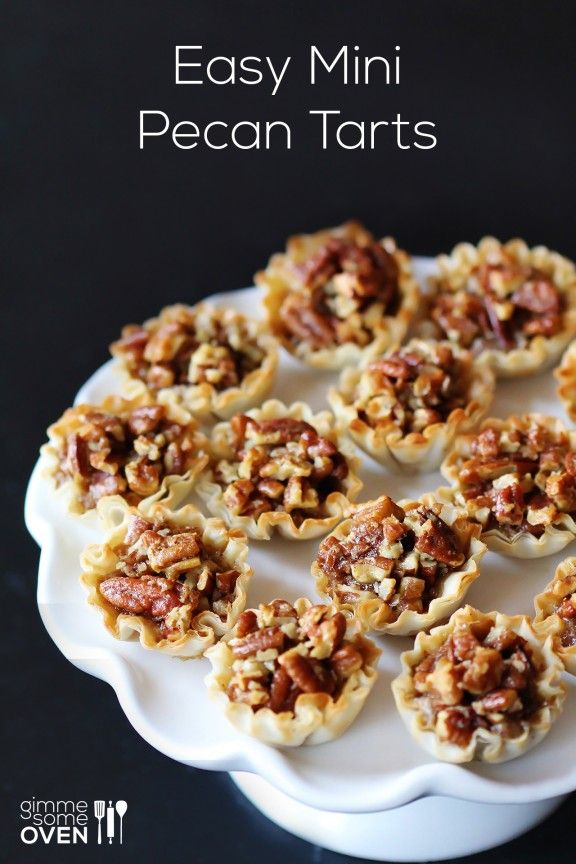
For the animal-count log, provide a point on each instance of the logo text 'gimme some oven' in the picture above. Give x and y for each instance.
(72, 822)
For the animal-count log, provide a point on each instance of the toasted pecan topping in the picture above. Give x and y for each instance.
(168, 573)
(469, 683)
(279, 655)
(127, 453)
(401, 556)
(341, 286)
(518, 478)
(502, 304)
(188, 346)
(414, 387)
(279, 464)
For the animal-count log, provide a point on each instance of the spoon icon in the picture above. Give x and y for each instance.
(121, 808)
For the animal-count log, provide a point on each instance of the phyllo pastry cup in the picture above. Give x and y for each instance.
(201, 360)
(176, 579)
(556, 613)
(338, 295)
(133, 448)
(280, 467)
(514, 305)
(406, 407)
(399, 568)
(292, 674)
(566, 376)
(481, 687)
(517, 478)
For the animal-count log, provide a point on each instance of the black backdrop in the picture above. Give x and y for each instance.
(96, 233)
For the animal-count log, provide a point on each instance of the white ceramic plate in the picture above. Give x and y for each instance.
(375, 765)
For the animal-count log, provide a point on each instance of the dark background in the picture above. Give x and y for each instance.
(96, 233)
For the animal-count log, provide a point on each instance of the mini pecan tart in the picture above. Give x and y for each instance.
(405, 408)
(280, 467)
(517, 478)
(130, 448)
(556, 613)
(291, 675)
(199, 359)
(566, 377)
(399, 568)
(515, 305)
(175, 578)
(481, 687)
(338, 295)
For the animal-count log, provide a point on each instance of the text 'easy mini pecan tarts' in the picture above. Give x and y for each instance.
(280, 467)
(517, 478)
(399, 568)
(135, 449)
(405, 408)
(200, 360)
(481, 687)
(291, 675)
(175, 578)
(556, 613)
(339, 295)
(566, 376)
(514, 305)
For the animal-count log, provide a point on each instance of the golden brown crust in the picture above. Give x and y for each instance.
(269, 480)
(134, 448)
(538, 282)
(566, 376)
(399, 568)
(308, 688)
(556, 613)
(507, 701)
(148, 561)
(517, 478)
(360, 328)
(200, 360)
(405, 415)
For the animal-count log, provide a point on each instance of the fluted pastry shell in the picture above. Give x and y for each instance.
(281, 278)
(174, 487)
(374, 613)
(484, 745)
(203, 400)
(415, 451)
(541, 351)
(316, 718)
(546, 620)
(566, 377)
(262, 528)
(523, 544)
(99, 561)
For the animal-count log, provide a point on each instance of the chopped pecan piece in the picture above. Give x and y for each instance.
(259, 640)
(438, 541)
(145, 419)
(280, 688)
(456, 725)
(135, 596)
(308, 676)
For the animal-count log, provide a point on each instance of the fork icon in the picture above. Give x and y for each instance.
(99, 807)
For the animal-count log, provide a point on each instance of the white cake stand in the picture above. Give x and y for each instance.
(372, 793)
